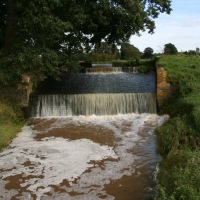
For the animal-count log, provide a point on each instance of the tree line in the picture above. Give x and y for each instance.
(127, 51)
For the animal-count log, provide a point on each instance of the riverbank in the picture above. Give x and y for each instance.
(179, 138)
(11, 121)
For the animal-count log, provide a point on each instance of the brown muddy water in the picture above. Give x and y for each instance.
(82, 158)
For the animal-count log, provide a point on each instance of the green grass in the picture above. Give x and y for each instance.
(182, 180)
(7, 133)
(179, 138)
(11, 121)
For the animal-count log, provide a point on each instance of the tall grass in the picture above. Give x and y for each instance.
(179, 138)
(11, 120)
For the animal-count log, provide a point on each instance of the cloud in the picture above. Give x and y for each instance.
(181, 28)
(185, 21)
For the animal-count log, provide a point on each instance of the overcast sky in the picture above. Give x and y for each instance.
(181, 28)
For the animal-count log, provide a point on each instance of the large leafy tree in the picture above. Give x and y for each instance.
(42, 37)
(129, 51)
(148, 53)
(104, 51)
(170, 49)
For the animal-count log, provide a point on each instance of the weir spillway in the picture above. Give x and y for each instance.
(101, 147)
(98, 93)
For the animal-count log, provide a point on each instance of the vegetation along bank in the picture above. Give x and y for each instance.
(179, 138)
(11, 120)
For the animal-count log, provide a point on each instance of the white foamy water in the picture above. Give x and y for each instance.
(40, 168)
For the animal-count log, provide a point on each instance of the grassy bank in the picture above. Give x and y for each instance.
(11, 121)
(179, 138)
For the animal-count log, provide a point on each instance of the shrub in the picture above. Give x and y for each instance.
(180, 176)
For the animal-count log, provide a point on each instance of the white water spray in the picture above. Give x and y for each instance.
(88, 104)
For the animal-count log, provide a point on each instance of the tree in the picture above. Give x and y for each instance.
(148, 53)
(42, 37)
(197, 50)
(104, 52)
(191, 52)
(129, 51)
(170, 49)
(103, 47)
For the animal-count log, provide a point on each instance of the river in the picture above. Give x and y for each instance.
(81, 158)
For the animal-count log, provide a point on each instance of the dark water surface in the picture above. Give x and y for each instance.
(100, 83)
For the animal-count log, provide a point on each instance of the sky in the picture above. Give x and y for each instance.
(181, 28)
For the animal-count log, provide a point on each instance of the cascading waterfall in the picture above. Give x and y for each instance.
(88, 104)
(100, 91)
(109, 155)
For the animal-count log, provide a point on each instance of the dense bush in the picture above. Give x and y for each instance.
(144, 69)
(134, 63)
(105, 57)
(182, 181)
(124, 63)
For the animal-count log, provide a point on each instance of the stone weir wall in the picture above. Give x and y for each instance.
(23, 90)
(164, 89)
(19, 92)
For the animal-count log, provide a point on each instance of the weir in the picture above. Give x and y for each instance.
(104, 70)
(109, 93)
(96, 151)
(88, 104)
